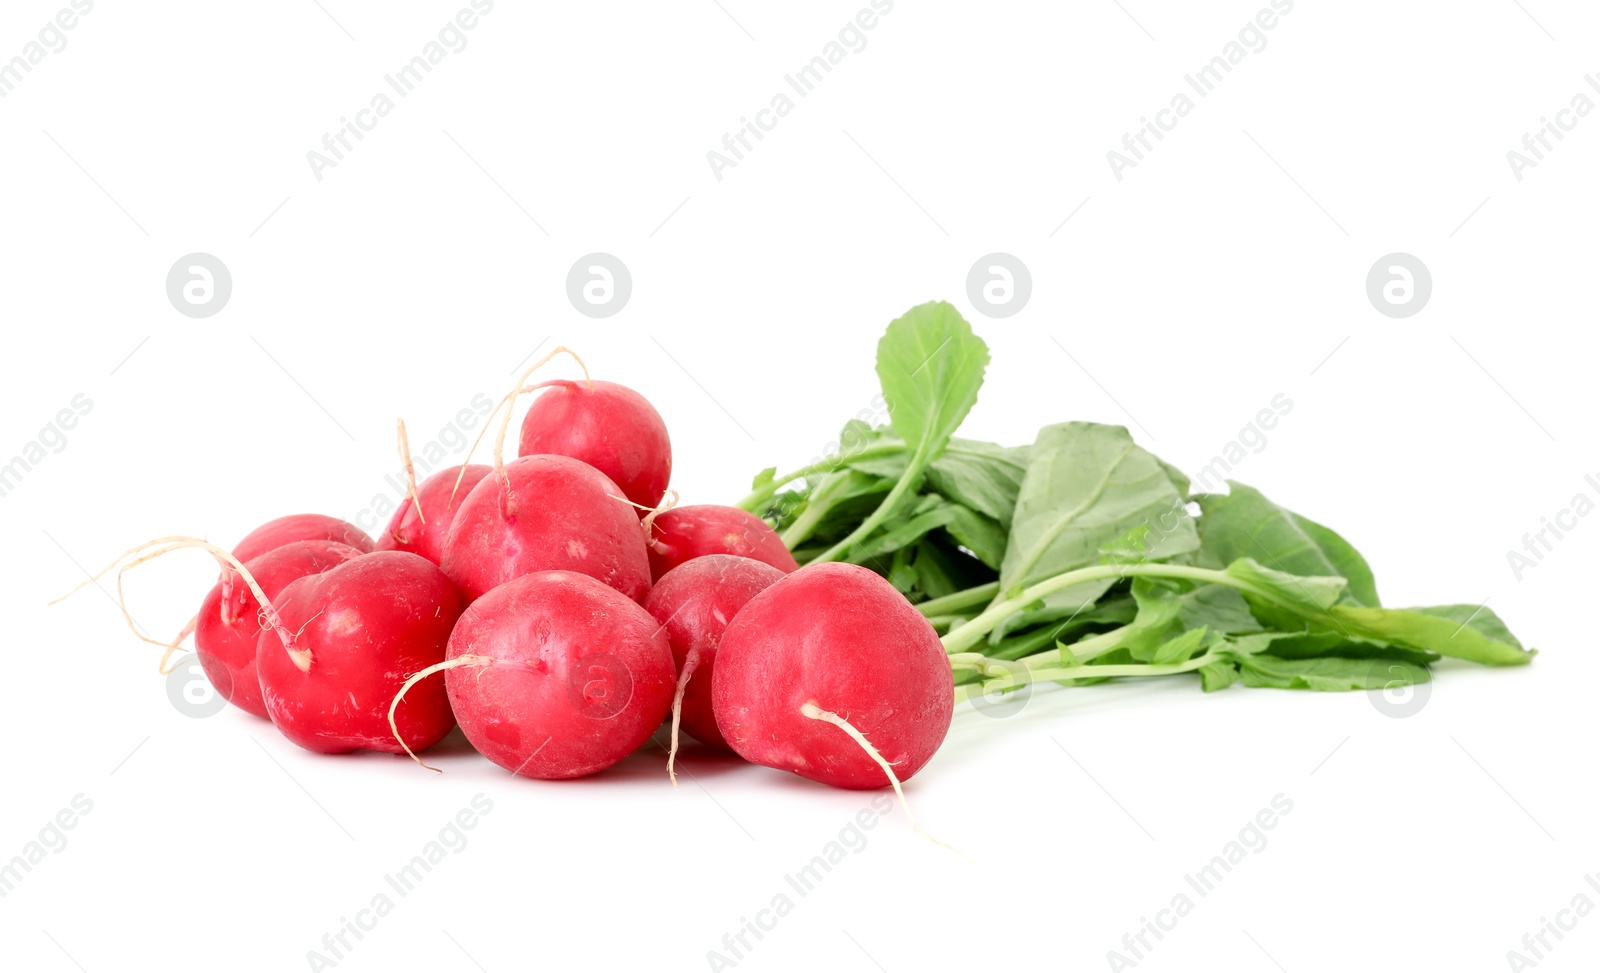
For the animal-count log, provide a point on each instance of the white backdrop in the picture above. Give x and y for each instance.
(1226, 267)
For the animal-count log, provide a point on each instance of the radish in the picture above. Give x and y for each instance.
(340, 645)
(610, 427)
(300, 527)
(543, 513)
(554, 675)
(833, 675)
(683, 533)
(694, 602)
(228, 625)
(270, 536)
(421, 526)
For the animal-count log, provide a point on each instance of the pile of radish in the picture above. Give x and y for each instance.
(561, 608)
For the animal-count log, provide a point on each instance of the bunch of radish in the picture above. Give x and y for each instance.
(560, 608)
(559, 612)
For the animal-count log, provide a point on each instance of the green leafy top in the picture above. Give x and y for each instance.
(1077, 557)
(931, 366)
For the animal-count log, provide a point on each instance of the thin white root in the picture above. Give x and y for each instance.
(812, 711)
(506, 401)
(456, 663)
(690, 664)
(411, 473)
(505, 422)
(122, 599)
(175, 645)
(301, 658)
(649, 521)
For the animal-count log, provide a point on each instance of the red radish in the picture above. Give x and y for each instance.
(269, 536)
(228, 625)
(548, 513)
(423, 532)
(683, 533)
(555, 675)
(300, 527)
(832, 674)
(609, 426)
(343, 644)
(420, 526)
(694, 603)
(543, 513)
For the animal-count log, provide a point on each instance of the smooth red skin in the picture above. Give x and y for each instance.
(611, 427)
(300, 527)
(369, 624)
(565, 517)
(842, 637)
(588, 675)
(694, 602)
(228, 626)
(406, 532)
(684, 533)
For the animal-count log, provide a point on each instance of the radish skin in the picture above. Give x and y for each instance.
(300, 527)
(421, 526)
(550, 513)
(609, 426)
(577, 675)
(227, 629)
(694, 603)
(836, 638)
(359, 629)
(684, 533)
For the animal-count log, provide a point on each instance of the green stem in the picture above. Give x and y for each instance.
(799, 531)
(754, 500)
(961, 600)
(906, 482)
(1022, 647)
(1017, 679)
(973, 632)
